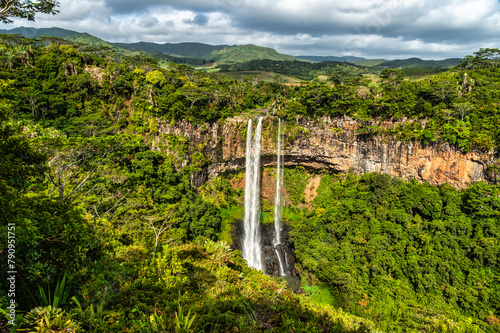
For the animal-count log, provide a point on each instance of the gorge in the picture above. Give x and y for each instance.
(334, 145)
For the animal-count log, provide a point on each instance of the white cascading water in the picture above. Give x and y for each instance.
(282, 272)
(286, 260)
(251, 241)
(277, 203)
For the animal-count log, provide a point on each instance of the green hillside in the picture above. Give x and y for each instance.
(196, 54)
(244, 53)
(419, 63)
(369, 62)
(72, 36)
(78, 38)
(85, 38)
(302, 70)
(185, 53)
(329, 58)
(37, 33)
(191, 50)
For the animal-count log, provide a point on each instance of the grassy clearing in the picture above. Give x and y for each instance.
(207, 68)
(323, 78)
(372, 77)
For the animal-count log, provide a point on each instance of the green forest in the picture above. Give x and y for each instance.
(107, 232)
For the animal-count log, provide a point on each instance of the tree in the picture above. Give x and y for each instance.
(463, 109)
(391, 78)
(26, 9)
(159, 224)
(20, 163)
(484, 58)
(75, 164)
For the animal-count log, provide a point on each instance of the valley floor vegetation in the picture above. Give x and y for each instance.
(112, 236)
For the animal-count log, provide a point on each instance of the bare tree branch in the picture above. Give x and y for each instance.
(158, 230)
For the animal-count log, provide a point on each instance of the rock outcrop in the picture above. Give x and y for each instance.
(331, 144)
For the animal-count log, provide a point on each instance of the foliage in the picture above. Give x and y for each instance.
(26, 9)
(93, 318)
(184, 322)
(58, 297)
(50, 319)
(393, 250)
(300, 69)
(295, 181)
(208, 287)
(488, 57)
(96, 190)
(244, 53)
(85, 93)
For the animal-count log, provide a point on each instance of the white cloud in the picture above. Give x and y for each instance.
(391, 28)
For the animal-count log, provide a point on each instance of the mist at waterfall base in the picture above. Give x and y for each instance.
(251, 245)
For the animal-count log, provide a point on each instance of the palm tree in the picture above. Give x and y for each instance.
(24, 53)
(9, 59)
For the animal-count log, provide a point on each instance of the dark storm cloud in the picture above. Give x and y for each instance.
(131, 6)
(134, 6)
(149, 22)
(427, 20)
(199, 19)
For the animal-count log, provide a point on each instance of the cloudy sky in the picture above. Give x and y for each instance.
(391, 29)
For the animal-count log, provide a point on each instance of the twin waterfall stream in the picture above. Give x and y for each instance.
(252, 247)
(252, 250)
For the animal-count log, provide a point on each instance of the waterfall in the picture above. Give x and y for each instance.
(286, 256)
(251, 242)
(277, 203)
(282, 272)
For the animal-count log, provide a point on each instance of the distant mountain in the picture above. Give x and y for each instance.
(184, 52)
(329, 58)
(199, 53)
(244, 53)
(37, 33)
(368, 62)
(72, 36)
(419, 63)
(225, 54)
(299, 69)
(192, 50)
(400, 63)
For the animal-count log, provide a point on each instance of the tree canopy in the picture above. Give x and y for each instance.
(26, 9)
(101, 194)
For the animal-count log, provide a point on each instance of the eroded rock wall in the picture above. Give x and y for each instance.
(330, 144)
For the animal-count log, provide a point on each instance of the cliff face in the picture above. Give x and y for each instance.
(330, 144)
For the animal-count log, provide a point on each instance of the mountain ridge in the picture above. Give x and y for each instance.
(329, 58)
(220, 53)
(183, 49)
(417, 62)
